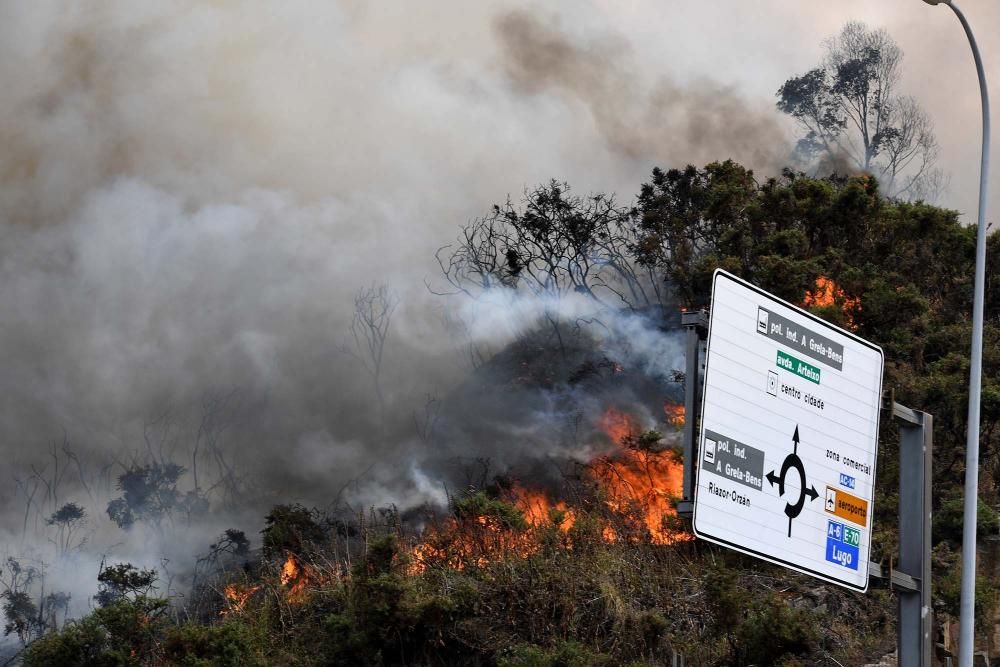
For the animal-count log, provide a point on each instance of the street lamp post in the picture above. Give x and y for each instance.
(967, 621)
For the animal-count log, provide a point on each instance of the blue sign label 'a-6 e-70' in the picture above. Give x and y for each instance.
(842, 544)
(846, 480)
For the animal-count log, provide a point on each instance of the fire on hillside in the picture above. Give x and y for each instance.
(636, 483)
(632, 488)
(629, 500)
(828, 293)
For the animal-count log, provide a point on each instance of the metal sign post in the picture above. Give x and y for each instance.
(912, 578)
(696, 323)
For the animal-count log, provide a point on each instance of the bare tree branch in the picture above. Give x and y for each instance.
(374, 307)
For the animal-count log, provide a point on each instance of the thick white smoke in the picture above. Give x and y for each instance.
(193, 193)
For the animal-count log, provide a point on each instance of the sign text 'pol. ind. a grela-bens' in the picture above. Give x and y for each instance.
(789, 435)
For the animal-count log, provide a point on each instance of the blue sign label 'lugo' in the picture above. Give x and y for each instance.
(842, 545)
(842, 554)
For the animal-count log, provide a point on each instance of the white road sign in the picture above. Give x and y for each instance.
(789, 435)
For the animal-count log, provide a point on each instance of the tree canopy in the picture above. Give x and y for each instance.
(553, 244)
(899, 273)
(903, 275)
(855, 119)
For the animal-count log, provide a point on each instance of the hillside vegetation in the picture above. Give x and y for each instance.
(588, 581)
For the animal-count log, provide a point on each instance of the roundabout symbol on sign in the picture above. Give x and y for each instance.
(793, 462)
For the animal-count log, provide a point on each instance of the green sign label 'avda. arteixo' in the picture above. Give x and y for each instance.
(799, 367)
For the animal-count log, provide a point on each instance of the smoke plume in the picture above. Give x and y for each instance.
(192, 195)
(640, 115)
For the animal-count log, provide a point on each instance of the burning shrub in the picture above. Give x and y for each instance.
(479, 507)
(237, 595)
(290, 528)
(640, 484)
(481, 529)
(621, 601)
(831, 303)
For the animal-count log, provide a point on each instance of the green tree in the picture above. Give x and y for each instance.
(25, 617)
(123, 581)
(855, 119)
(125, 633)
(150, 494)
(67, 519)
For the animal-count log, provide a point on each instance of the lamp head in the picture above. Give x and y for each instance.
(937, 2)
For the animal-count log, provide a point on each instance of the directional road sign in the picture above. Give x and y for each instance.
(789, 435)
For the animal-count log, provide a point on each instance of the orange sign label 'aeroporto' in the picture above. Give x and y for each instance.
(846, 506)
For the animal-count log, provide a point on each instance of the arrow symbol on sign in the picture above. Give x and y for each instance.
(793, 462)
(774, 479)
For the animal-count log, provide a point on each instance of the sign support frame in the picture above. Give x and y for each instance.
(912, 578)
(696, 323)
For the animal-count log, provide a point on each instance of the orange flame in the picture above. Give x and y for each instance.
(616, 425)
(640, 480)
(638, 483)
(477, 541)
(674, 413)
(539, 511)
(828, 293)
(297, 576)
(470, 543)
(237, 596)
(289, 570)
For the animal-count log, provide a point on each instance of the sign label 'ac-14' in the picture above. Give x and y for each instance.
(789, 435)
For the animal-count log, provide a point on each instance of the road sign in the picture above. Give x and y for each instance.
(789, 435)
